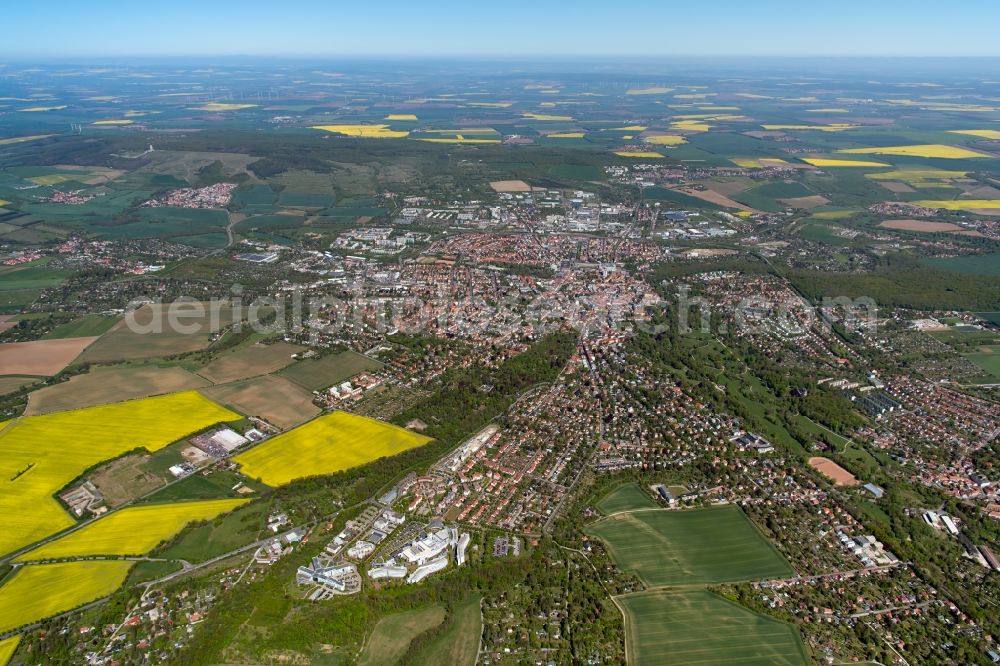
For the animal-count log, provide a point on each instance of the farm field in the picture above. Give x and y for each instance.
(41, 357)
(926, 226)
(962, 204)
(126, 478)
(156, 337)
(976, 264)
(249, 361)
(7, 648)
(393, 633)
(14, 382)
(134, 530)
(271, 397)
(230, 531)
(697, 546)
(38, 591)
(458, 644)
(316, 374)
(102, 386)
(698, 627)
(328, 444)
(74, 441)
(380, 131)
(988, 360)
(625, 498)
(925, 150)
(86, 326)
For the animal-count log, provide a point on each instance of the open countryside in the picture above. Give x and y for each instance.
(81, 438)
(711, 545)
(465, 340)
(699, 627)
(327, 444)
(131, 531)
(36, 591)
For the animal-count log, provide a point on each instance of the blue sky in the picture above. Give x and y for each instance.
(62, 28)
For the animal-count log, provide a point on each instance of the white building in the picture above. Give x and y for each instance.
(425, 570)
(361, 550)
(430, 546)
(463, 544)
(387, 571)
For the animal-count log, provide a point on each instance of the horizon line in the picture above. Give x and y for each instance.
(499, 56)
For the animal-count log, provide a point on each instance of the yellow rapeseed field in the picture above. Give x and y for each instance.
(824, 162)
(638, 153)
(665, 140)
(7, 648)
(923, 150)
(135, 530)
(366, 131)
(464, 130)
(52, 179)
(325, 445)
(982, 134)
(3, 202)
(566, 135)
(910, 175)
(41, 454)
(223, 106)
(37, 591)
(626, 128)
(961, 204)
(401, 116)
(690, 126)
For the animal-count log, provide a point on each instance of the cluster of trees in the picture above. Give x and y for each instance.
(469, 398)
(902, 281)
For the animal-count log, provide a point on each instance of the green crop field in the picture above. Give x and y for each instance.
(85, 326)
(697, 546)
(700, 627)
(315, 374)
(458, 642)
(981, 264)
(988, 360)
(393, 633)
(625, 498)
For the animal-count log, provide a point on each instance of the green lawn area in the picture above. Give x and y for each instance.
(625, 498)
(225, 533)
(84, 327)
(699, 627)
(858, 460)
(21, 284)
(458, 643)
(686, 547)
(144, 571)
(393, 633)
(989, 361)
(316, 374)
(218, 485)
